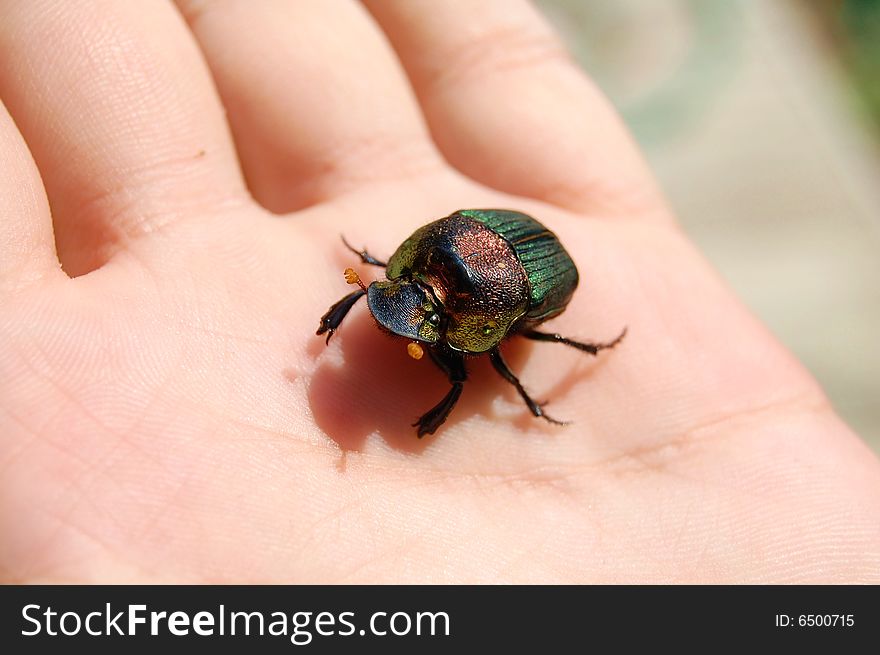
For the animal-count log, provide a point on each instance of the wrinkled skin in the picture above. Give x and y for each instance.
(167, 413)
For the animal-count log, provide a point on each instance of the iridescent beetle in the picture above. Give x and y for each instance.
(461, 285)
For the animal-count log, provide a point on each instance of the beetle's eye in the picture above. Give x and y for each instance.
(434, 319)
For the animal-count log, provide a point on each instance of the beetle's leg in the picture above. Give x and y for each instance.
(366, 257)
(331, 320)
(452, 364)
(501, 366)
(591, 348)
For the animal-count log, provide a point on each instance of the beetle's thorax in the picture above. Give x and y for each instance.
(473, 273)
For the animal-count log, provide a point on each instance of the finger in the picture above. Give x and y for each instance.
(507, 106)
(120, 114)
(316, 98)
(27, 247)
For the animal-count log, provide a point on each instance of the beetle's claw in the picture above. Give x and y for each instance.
(329, 330)
(550, 419)
(428, 423)
(424, 428)
(611, 344)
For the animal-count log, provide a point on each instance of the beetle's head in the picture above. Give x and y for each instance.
(406, 309)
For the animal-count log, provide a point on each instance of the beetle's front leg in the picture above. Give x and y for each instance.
(452, 364)
(366, 257)
(501, 366)
(331, 320)
(592, 348)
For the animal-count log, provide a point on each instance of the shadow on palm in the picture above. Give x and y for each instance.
(366, 384)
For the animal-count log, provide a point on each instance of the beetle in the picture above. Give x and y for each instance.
(461, 285)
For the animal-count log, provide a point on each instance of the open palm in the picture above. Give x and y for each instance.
(168, 414)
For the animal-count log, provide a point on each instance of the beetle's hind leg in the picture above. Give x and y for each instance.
(453, 365)
(366, 257)
(534, 407)
(592, 348)
(331, 320)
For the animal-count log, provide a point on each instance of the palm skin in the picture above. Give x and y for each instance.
(170, 415)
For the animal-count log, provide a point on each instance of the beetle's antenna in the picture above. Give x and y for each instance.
(353, 278)
(415, 350)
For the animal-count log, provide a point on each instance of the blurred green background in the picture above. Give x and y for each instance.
(761, 119)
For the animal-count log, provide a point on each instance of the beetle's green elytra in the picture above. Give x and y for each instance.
(552, 274)
(462, 284)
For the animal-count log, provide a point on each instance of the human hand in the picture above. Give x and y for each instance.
(167, 413)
